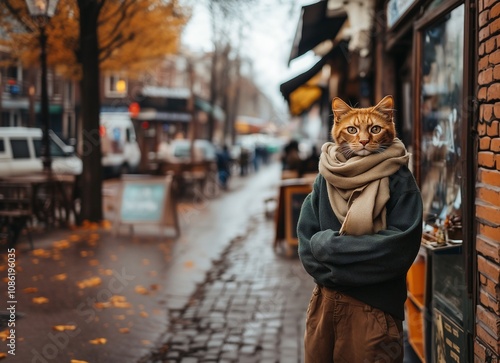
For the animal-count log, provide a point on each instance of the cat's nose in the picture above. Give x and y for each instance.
(364, 142)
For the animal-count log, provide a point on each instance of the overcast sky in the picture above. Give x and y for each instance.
(267, 41)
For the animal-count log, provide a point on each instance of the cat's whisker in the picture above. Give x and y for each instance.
(347, 151)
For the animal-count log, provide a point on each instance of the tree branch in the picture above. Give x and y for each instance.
(100, 5)
(122, 10)
(115, 34)
(16, 13)
(105, 53)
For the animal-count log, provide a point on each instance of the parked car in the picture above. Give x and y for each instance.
(120, 151)
(21, 153)
(179, 150)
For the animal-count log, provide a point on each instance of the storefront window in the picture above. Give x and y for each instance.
(442, 119)
(442, 125)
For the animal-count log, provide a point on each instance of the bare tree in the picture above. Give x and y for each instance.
(226, 16)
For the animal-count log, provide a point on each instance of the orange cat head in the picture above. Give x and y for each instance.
(363, 131)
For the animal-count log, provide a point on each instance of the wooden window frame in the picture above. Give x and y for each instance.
(468, 138)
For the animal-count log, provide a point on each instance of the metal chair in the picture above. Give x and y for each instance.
(15, 211)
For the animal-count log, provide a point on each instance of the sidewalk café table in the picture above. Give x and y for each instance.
(192, 176)
(51, 196)
(15, 211)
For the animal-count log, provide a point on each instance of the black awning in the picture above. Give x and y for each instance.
(161, 103)
(291, 85)
(314, 27)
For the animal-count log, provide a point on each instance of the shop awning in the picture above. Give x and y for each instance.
(291, 85)
(163, 104)
(314, 27)
(303, 90)
(249, 125)
(53, 109)
(304, 97)
(153, 115)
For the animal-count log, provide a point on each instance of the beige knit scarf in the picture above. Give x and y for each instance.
(358, 188)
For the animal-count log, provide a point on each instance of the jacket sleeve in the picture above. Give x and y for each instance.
(362, 260)
(308, 226)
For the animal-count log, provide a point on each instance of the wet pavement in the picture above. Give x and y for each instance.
(250, 308)
(217, 292)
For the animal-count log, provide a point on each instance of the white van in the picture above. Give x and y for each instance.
(21, 153)
(120, 151)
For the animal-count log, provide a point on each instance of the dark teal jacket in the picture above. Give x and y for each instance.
(370, 268)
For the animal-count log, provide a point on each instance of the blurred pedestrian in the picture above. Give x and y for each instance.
(291, 159)
(261, 155)
(244, 161)
(224, 166)
(310, 165)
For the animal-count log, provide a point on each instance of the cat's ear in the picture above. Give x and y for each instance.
(339, 108)
(386, 107)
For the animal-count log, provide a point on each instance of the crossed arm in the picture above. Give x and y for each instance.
(361, 260)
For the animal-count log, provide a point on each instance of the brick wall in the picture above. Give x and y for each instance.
(486, 345)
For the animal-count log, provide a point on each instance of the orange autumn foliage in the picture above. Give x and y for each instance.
(133, 34)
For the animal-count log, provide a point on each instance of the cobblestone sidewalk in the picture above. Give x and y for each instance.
(251, 307)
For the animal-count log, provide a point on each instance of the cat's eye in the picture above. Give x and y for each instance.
(376, 129)
(352, 130)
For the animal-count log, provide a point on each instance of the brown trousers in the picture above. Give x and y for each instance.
(341, 329)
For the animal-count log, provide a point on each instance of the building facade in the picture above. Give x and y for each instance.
(20, 94)
(487, 183)
(440, 59)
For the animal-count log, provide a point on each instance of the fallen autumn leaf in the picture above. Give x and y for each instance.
(91, 282)
(63, 244)
(64, 327)
(94, 262)
(30, 290)
(60, 277)
(98, 341)
(40, 300)
(74, 238)
(102, 305)
(40, 252)
(141, 290)
(106, 224)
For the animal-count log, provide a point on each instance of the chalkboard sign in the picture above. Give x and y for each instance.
(294, 197)
(143, 202)
(147, 200)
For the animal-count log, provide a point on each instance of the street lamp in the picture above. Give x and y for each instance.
(42, 11)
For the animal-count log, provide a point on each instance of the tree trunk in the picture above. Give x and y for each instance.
(213, 93)
(90, 95)
(213, 70)
(236, 100)
(224, 88)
